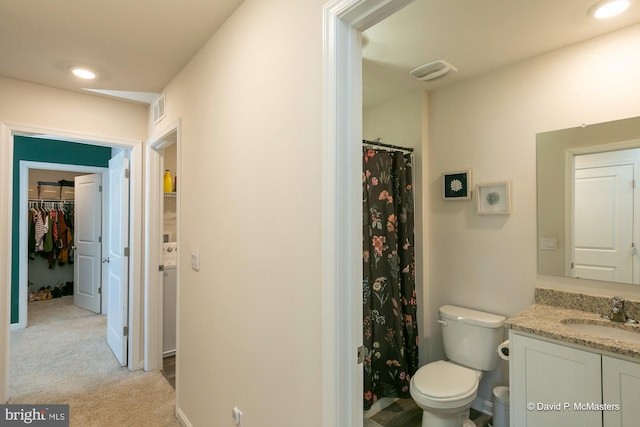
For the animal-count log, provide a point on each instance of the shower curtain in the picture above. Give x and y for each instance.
(390, 331)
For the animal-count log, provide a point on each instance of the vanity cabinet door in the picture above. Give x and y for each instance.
(547, 380)
(621, 386)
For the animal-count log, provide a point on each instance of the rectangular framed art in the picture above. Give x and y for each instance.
(494, 198)
(456, 185)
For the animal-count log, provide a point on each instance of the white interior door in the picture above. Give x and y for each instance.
(603, 223)
(88, 248)
(117, 274)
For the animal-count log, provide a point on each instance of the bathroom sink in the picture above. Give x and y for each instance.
(605, 331)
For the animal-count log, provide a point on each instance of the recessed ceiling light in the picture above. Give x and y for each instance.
(83, 73)
(609, 8)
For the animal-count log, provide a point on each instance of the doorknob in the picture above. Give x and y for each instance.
(105, 260)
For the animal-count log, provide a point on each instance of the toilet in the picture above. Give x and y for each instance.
(445, 390)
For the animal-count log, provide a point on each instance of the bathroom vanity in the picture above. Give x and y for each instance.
(570, 367)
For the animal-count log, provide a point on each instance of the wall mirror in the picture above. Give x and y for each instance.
(589, 202)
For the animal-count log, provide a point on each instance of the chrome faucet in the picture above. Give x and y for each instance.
(617, 311)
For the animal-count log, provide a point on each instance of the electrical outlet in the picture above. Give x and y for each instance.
(238, 416)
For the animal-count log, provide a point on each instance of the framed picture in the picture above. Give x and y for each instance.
(494, 198)
(456, 185)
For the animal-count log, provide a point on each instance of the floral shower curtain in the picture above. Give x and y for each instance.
(390, 330)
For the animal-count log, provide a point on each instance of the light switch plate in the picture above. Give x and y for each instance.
(195, 259)
(549, 244)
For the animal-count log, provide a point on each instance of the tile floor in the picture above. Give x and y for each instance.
(169, 370)
(405, 413)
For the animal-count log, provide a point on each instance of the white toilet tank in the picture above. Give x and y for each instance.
(471, 337)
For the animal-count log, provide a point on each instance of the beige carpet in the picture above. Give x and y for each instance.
(63, 357)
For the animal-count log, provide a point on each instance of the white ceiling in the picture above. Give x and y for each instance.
(140, 45)
(133, 45)
(474, 35)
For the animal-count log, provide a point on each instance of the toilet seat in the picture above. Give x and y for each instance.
(443, 384)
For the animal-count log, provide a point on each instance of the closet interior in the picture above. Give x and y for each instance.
(51, 222)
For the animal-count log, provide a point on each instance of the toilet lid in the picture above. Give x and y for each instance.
(444, 380)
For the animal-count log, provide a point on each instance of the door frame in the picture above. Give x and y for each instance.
(342, 376)
(7, 133)
(154, 167)
(25, 168)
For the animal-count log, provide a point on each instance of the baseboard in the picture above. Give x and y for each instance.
(483, 406)
(182, 418)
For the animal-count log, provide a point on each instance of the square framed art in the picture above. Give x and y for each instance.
(456, 185)
(494, 198)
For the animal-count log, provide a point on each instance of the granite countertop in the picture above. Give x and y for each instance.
(550, 315)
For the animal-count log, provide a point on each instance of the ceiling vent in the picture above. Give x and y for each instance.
(432, 70)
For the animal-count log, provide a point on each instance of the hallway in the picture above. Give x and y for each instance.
(63, 357)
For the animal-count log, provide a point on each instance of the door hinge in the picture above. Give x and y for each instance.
(125, 331)
(100, 189)
(99, 239)
(100, 290)
(161, 267)
(126, 251)
(572, 266)
(126, 173)
(360, 353)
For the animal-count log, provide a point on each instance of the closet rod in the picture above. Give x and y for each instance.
(50, 201)
(378, 143)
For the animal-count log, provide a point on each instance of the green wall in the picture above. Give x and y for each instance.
(49, 151)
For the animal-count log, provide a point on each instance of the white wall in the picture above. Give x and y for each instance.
(250, 104)
(30, 104)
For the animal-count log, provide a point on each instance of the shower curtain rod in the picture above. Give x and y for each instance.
(378, 143)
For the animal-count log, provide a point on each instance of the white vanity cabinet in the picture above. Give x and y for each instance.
(621, 385)
(557, 385)
(546, 379)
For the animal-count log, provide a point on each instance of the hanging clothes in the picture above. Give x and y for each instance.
(51, 232)
(31, 243)
(64, 240)
(40, 231)
(390, 331)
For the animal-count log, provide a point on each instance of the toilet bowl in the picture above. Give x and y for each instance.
(446, 389)
(445, 392)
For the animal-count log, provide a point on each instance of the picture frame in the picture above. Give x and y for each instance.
(457, 185)
(494, 198)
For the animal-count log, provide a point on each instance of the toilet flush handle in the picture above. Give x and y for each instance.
(443, 323)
